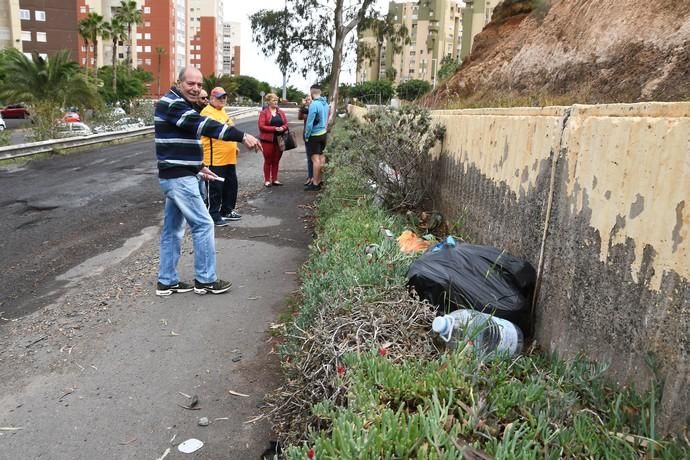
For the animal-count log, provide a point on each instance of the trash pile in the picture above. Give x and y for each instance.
(453, 276)
(394, 322)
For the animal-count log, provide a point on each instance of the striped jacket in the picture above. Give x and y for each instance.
(178, 129)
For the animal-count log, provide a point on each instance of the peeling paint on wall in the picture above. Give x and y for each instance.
(641, 154)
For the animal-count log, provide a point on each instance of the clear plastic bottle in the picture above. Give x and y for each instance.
(487, 332)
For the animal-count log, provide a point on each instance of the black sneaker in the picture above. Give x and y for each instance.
(232, 215)
(217, 287)
(221, 223)
(312, 188)
(168, 289)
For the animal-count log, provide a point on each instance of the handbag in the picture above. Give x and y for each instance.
(289, 141)
(280, 141)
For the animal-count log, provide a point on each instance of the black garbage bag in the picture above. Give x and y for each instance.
(483, 278)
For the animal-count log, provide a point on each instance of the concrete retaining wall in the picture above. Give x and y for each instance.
(598, 197)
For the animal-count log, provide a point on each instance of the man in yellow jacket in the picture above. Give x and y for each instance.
(221, 158)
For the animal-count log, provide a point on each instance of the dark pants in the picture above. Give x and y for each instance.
(223, 195)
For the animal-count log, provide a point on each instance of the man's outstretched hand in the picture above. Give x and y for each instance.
(252, 142)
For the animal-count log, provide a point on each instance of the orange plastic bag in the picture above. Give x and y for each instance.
(410, 243)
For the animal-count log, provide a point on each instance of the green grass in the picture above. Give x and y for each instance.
(532, 406)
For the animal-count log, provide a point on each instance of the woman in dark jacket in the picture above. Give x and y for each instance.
(272, 123)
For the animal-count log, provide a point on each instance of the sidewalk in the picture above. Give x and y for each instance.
(105, 376)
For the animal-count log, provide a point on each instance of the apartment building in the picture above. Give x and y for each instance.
(232, 35)
(108, 9)
(475, 15)
(163, 49)
(44, 26)
(206, 35)
(435, 31)
(173, 34)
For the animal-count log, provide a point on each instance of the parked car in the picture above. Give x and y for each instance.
(15, 111)
(3, 125)
(72, 130)
(71, 117)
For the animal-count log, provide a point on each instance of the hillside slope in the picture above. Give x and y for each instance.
(566, 51)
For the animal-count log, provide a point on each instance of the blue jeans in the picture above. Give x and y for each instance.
(183, 202)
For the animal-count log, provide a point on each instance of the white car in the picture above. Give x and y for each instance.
(3, 125)
(72, 130)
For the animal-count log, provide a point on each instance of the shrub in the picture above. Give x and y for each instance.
(412, 89)
(392, 150)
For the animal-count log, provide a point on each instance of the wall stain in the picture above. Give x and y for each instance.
(637, 207)
(675, 235)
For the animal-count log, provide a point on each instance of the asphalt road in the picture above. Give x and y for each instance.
(101, 367)
(59, 212)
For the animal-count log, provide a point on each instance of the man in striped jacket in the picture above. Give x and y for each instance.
(179, 151)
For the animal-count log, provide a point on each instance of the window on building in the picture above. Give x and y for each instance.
(140, 62)
(41, 37)
(139, 36)
(40, 15)
(140, 49)
(147, 36)
(147, 10)
(83, 9)
(26, 36)
(412, 53)
(43, 55)
(28, 55)
(147, 49)
(147, 61)
(25, 15)
(121, 55)
(147, 24)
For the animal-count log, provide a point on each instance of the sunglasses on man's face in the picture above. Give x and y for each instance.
(204, 98)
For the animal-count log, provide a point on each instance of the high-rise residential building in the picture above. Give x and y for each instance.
(206, 35)
(434, 30)
(163, 49)
(173, 34)
(232, 34)
(475, 15)
(108, 9)
(44, 26)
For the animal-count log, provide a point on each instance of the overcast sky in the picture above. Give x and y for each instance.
(254, 63)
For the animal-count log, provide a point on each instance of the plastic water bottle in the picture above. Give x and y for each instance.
(487, 332)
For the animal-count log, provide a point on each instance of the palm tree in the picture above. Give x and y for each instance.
(56, 79)
(90, 28)
(210, 82)
(130, 15)
(115, 30)
(47, 84)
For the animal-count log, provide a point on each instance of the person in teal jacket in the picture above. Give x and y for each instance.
(315, 134)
